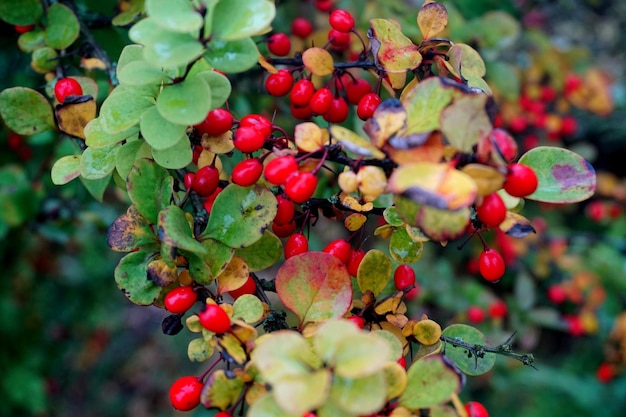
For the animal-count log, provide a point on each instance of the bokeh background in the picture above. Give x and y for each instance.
(72, 345)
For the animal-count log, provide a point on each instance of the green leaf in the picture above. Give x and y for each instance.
(30, 41)
(218, 257)
(361, 355)
(131, 276)
(130, 231)
(140, 73)
(149, 188)
(130, 53)
(240, 215)
(96, 187)
(199, 268)
(564, 176)
(232, 56)
(469, 365)
(266, 406)
(348, 393)
(221, 390)
(123, 108)
(237, 19)
(127, 154)
(18, 201)
(392, 217)
(248, 308)
(44, 59)
(199, 350)
(465, 122)
(316, 286)
(185, 103)
(263, 253)
(298, 394)
(165, 48)
(23, 12)
(374, 272)
(98, 162)
(96, 137)
(329, 335)
(392, 49)
(176, 157)
(174, 230)
(442, 225)
(431, 382)
(403, 249)
(25, 111)
(158, 132)
(62, 28)
(504, 78)
(65, 169)
(175, 15)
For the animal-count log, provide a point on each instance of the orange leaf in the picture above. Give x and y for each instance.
(318, 61)
(432, 19)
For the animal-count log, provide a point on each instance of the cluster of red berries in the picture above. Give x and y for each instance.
(602, 210)
(496, 310)
(17, 144)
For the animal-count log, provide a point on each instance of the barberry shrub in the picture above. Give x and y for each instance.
(432, 168)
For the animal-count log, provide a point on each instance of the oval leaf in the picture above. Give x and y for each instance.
(466, 121)
(318, 61)
(25, 111)
(65, 169)
(432, 19)
(403, 249)
(174, 230)
(158, 132)
(263, 253)
(131, 276)
(237, 19)
(374, 272)
(62, 28)
(431, 382)
(469, 365)
(149, 188)
(176, 15)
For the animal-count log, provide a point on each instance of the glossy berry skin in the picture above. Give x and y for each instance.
(23, 28)
(324, 5)
(356, 256)
(247, 172)
(340, 249)
(180, 299)
(357, 320)
(302, 92)
(217, 122)
(368, 105)
(279, 169)
(301, 27)
(475, 315)
(302, 113)
(505, 144)
(295, 245)
(492, 210)
(403, 277)
(300, 186)
(208, 201)
(337, 112)
(341, 20)
(214, 319)
(248, 139)
(491, 265)
(66, 87)
(248, 288)
(206, 181)
(321, 100)
(285, 211)
(260, 123)
(279, 84)
(279, 44)
(498, 309)
(185, 393)
(605, 373)
(520, 181)
(356, 89)
(339, 39)
(188, 180)
(284, 230)
(476, 409)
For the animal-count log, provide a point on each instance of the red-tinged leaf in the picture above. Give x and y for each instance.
(316, 286)
(392, 49)
(432, 19)
(466, 121)
(389, 117)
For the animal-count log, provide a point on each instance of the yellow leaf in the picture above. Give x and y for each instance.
(354, 221)
(432, 19)
(218, 144)
(73, 117)
(487, 179)
(308, 136)
(318, 61)
(234, 276)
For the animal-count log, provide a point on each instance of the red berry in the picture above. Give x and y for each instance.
(185, 393)
(498, 309)
(295, 245)
(518, 124)
(520, 181)
(208, 201)
(340, 249)
(180, 299)
(574, 325)
(249, 287)
(556, 294)
(476, 409)
(368, 105)
(66, 87)
(548, 93)
(402, 362)
(357, 320)
(475, 314)
(356, 89)
(403, 277)
(356, 256)
(280, 83)
(216, 122)
(341, 20)
(279, 169)
(412, 293)
(197, 150)
(247, 172)
(324, 5)
(206, 181)
(23, 28)
(321, 100)
(260, 123)
(248, 139)
(279, 44)
(504, 144)
(189, 179)
(492, 210)
(284, 230)
(300, 186)
(491, 265)
(302, 113)
(285, 211)
(301, 27)
(337, 112)
(223, 414)
(605, 373)
(569, 125)
(338, 39)
(302, 92)
(572, 83)
(214, 319)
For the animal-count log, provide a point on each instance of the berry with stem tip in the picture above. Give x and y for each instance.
(337, 112)
(249, 287)
(279, 169)
(66, 87)
(302, 92)
(285, 210)
(491, 265)
(368, 105)
(279, 84)
(340, 249)
(180, 299)
(279, 44)
(341, 20)
(216, 122)
(339, 40)
(492, 210)
(260, 123)
(206, 181)
(356, 89)
(284, 230)
(214, 319)
(476, 409)
(295, 245)
(301, 27)
(185, 393)
(300, 186)
(247, 172)
(403, 277)
(521, 180)
(321, 100)
(248, 139)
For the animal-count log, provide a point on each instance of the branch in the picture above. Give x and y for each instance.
(297, 62)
